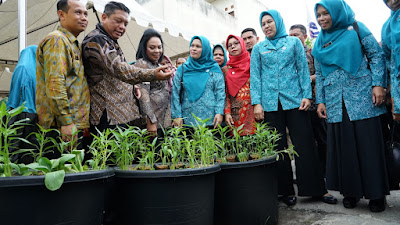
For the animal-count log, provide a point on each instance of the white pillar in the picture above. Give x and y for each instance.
(21, 25)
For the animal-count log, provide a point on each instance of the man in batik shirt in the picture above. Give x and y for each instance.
(111, 79)
(62, 93)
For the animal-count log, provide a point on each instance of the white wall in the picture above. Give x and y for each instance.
(209, 19)
(248, 13)
(196, 16)
(222, 4)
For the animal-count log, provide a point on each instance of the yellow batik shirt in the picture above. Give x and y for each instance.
(62, 92)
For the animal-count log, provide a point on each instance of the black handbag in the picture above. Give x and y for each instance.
(392, 155)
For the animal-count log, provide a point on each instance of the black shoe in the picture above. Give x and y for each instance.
(329, 199)
(377, 205)
(289, 200)
(350, 202)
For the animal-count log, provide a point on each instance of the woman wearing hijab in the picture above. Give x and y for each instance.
(350, 96)
(280, 89)
(23, 91)
(219, 55)
(166, 61)
(154, 102)
(238, 108)
(23, 82)
(391, 46)
(198, 87)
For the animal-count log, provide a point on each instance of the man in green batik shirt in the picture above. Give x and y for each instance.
(62, 93)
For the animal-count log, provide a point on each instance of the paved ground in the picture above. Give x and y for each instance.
(311, 212)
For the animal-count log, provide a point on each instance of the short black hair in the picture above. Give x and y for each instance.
(63, 5)
(249, 29)
(299, 26)
(110, 8)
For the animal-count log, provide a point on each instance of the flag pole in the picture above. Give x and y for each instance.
(21, 25)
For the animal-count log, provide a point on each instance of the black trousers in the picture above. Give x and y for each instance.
(310, 181)
(319, 131)
(356, 160)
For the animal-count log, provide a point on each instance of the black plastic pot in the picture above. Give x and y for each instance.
(79, 201)
(183, 196)
(247, 193)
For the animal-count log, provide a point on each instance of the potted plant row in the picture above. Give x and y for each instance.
(247, 182)
(166, 181)
(175, 180)
(60, 191)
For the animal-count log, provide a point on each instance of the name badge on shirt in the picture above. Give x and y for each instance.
(266, 52)
(327, 44)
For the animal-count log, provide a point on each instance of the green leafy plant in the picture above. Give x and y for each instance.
(173, 147)
(128, 141)
(174, 154)
(54, 170)
(4, 100)
(8, 133)
(163, 154)
(222, 143)
(44, 143)
(309, 42)
(101, 149)
(148, 156)
(204, 142)
(151, 155)
(191, 153)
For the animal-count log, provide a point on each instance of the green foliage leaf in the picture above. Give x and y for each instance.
(46, 163)
(54, 180)
(66, 157)
(36, 166)
(16, 111)
(79, 153)
(15, 167)
(54, 164)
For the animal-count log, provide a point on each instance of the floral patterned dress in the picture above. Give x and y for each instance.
(241, 110)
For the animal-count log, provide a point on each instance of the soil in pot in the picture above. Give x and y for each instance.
(140, 167)
(161, 167)
(231, 158)
(254, 156)
(180, 166)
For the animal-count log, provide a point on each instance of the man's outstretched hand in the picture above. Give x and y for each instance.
(162, 73)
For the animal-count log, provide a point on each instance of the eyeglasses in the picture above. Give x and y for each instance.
(236, 43)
